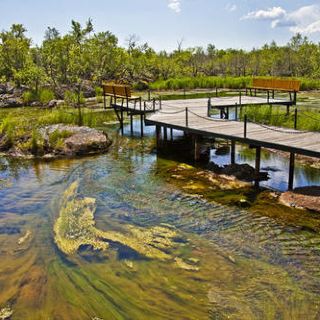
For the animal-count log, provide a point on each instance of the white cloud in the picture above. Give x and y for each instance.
(175, 5)
(304, 20)
(231, 7)
(269, 14)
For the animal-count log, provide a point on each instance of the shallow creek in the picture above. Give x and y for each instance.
(202, 260)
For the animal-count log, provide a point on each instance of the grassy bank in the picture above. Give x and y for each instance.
(19, 127)
(307, 118)
(218, 82)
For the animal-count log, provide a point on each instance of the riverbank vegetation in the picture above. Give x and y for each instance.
(21, 128)
(308, 119)
(69, 62)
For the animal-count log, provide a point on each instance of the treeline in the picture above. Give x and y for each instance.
(82, 56)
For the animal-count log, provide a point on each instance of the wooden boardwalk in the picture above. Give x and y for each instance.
(173, 115)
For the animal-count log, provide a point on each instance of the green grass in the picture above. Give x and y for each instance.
(20, 127)
(308, 118)
(206, 82)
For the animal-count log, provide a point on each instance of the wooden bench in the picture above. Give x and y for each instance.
(273, 85)
(119, 91)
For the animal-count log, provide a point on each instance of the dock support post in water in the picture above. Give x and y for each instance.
(158, 136)
(165, 134)
(131, 124)
(141, 124)
(196, 147)
(291, 171)
(121, 121)
(233, 152)
(257, 168)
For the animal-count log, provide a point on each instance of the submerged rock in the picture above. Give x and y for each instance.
(302, 198)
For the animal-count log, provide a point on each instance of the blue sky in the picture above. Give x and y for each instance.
(162, 23)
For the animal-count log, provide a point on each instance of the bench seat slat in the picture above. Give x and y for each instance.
(275, 84)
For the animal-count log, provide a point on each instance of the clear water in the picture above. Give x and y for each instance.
(250, 265)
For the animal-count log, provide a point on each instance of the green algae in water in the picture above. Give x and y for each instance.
(75, 227)
(40, 282)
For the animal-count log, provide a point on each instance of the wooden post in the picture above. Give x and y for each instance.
(160, 103)
(268, 96)
(257, 168)
(165, 134)
(209, 107)
(291, 171)
(121, 120)
(187, 119)
(104, 102)
(171, 134)
(295, 118)
(227, 115)
(236, 113)
(111, 100)
(295, 98)
(131, 124)
(233, 152)
(196, 147)
(245, 125)
(240, 97)
(158, 136)
(141, 124)
(184, 93)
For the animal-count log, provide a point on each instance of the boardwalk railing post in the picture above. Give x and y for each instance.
(291, 171)
(245, 125)
(257, 167)
(268, 96)
(209, 107)
(236, 113)
(240, 97)
(295, 118)
(160, 102)
(187, 120)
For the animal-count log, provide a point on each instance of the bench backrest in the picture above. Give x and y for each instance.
(276, 84)
(116, 90)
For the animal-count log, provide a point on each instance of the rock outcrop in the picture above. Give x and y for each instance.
(70, 140)
(57, 140)
(11, 96)
(302, 198)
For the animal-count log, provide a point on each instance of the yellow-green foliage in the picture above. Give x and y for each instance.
(75, 226)
(28, 97)
(46, 95)
(99, 93)
(56, 138)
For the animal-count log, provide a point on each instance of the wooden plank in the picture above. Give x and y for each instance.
(276, 84)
